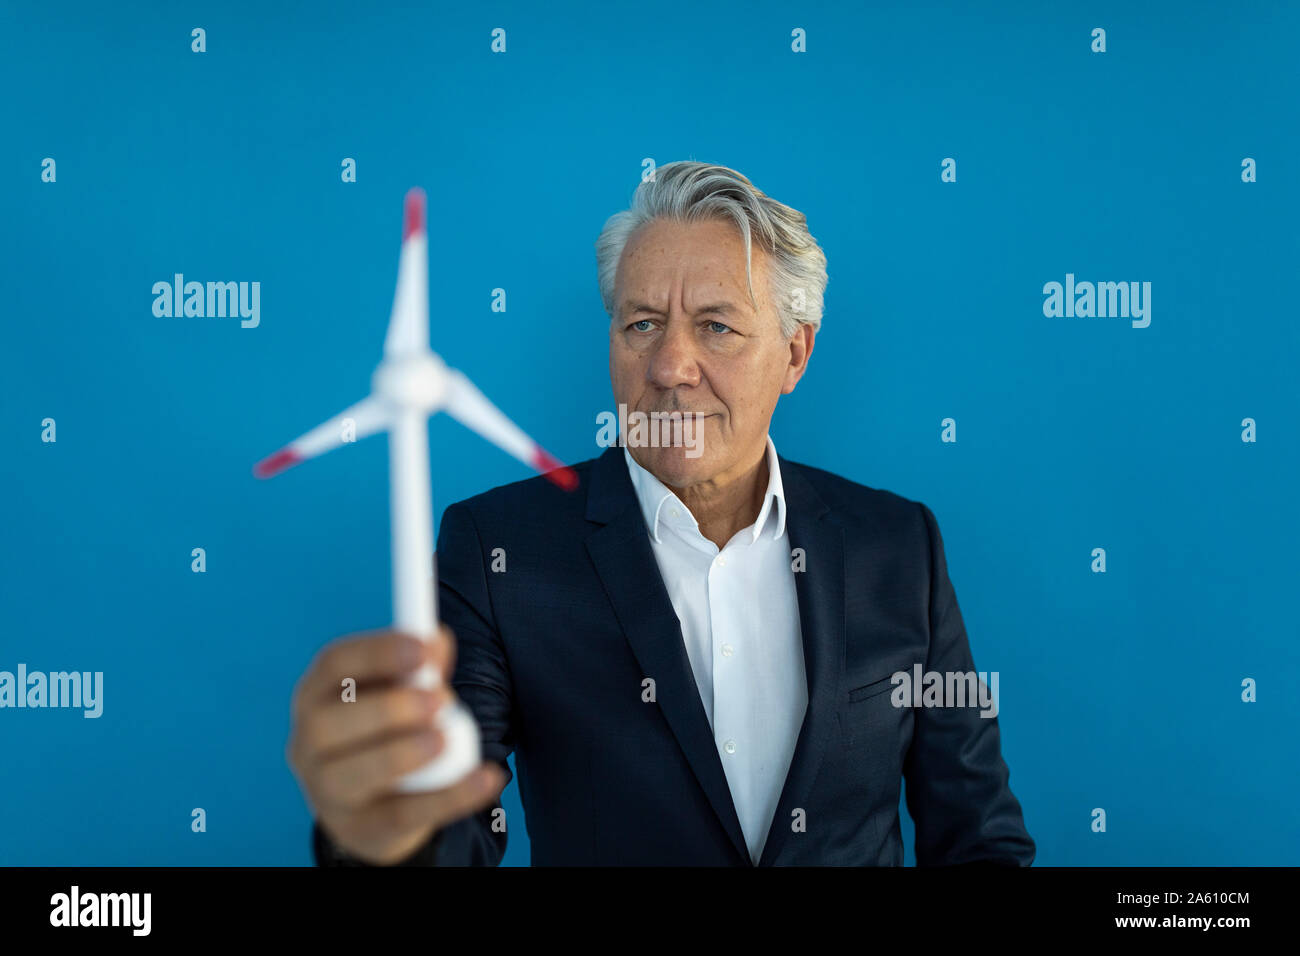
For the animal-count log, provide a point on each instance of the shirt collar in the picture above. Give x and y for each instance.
(653, 495)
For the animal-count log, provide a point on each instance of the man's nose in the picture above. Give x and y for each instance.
(674, 362)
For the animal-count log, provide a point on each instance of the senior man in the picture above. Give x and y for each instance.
(691, 658)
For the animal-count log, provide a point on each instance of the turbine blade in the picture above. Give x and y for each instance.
(408, 327)
(465, 403)
(367, 416)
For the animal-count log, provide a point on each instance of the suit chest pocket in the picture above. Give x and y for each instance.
(874, 689)
(874, 730)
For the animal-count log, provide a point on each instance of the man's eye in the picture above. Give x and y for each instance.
(641, 322)
(719, 327)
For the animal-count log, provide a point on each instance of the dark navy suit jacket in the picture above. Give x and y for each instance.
(552, 652)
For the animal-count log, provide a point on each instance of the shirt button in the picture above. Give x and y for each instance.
(727, 650)
(674, 512)
(729, 746)
(722, 562)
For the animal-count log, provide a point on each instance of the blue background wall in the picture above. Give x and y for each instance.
(1118, 690)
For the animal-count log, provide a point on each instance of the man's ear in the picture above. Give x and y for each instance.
(801, 349)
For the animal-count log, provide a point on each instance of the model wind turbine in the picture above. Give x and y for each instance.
(410, 384)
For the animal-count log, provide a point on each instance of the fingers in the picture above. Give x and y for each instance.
(350, 753)
(480, 789)
(401, 812)
(443, 652)
(370, 657)
(335, 726)
(361, 776)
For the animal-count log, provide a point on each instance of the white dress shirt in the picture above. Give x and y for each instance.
(740, 621)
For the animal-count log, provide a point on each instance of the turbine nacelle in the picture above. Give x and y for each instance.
(415, 381)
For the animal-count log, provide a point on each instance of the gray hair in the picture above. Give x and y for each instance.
(690, 191)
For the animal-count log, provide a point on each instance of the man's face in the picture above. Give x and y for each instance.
(685, 338)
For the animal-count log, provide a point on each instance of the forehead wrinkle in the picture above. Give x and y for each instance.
(725, 308)
(663, 259)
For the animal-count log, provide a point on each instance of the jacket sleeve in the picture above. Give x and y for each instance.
(958, 791)
(482, 681)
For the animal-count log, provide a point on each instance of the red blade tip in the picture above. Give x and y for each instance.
(413, 221)
(274, 464)
(555, 470)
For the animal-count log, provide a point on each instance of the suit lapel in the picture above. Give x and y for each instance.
(625, 562)
(820, 590)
